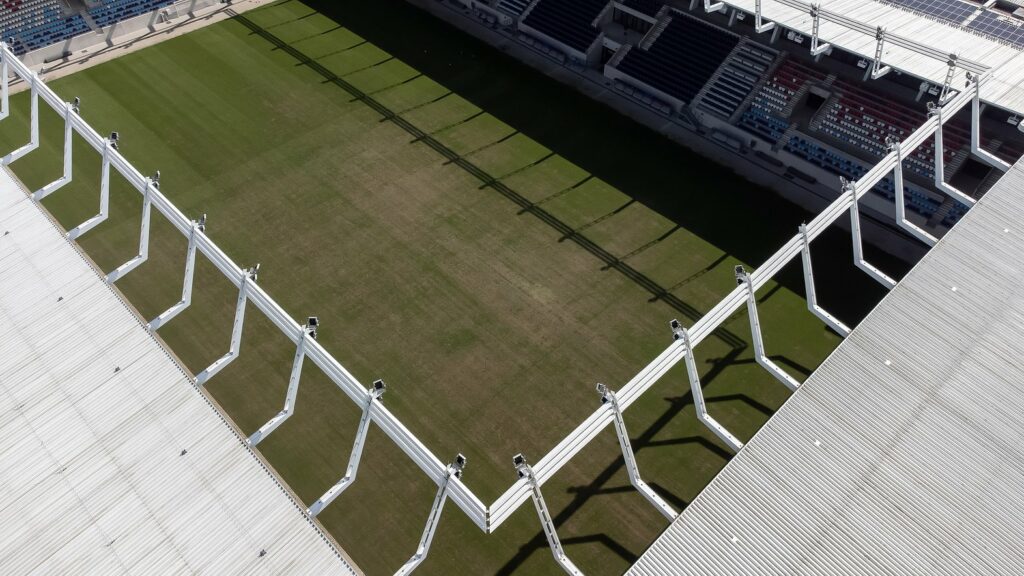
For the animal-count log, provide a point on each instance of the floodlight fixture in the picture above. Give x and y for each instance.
(741, 274)
(458, 465)
(201, 223)
(311, 324)
(603, 391)
(155, 180)
(114, 139)
(519, 461)
(75, 104)
(378, 388)
(677, 329)
(253, 272)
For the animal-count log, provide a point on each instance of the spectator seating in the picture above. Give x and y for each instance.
(740, 74)
(568, 21)
(763, 123)
(31, 24)
(110, 11)
(682, 58)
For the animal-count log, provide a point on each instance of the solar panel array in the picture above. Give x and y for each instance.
(1000, 27)
(952, 11)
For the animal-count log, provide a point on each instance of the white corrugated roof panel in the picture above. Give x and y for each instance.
(910, 467)
(94, 414)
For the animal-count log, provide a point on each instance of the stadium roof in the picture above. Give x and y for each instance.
(1007, 62)
(904, 452)
(113, 462)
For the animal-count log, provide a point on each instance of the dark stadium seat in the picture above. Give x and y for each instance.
(568, 21)
(682, 58)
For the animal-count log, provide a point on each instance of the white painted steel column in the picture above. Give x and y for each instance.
(877, 69)
(901, 203)
(816, 48)
(33, 142)
(147, 205)
(976, 127)
(525, 471)
(940, 161)
(249, 275)
(759, 25)
(69, 109)
(108, 145)
(743, 279)
(608, 397)
(198, 226)
(308, 332)
(716, 7)
(858, 244)
(811, 293)
(375, 392)
(680, 333)
(5, 82)
(454, 471)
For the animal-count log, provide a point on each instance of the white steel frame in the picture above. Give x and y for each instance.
(446, 476)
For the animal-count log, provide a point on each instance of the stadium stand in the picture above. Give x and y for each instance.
(682, 59)
(729, 87)
(568, 21)
(513, 8)
(649, 7)
(31, 24)
(111, 11)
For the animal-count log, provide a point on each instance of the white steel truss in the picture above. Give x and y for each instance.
(526, 474)
(901, 202)
(816, 48)
(454, 471)
(849, 188)
(308, 333)
(190, 268)
(760, 26)
(743, 279)
(66, 176)
(487, 518)
(608, 398)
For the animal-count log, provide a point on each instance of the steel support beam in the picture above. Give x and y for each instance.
(680, 333)
(608, 397)
(760, 26)
(816, 48)
(308, 333)
(901, 203)
(811, 293)
(249, 275)
(198, 226)
(374, 393)
(525, 471)
(743, 279)
(5, 83)
(108, 145)
(716, 7)
(33, 141)
(877, 69)
(147, 205)
(858, 243)
(69, 109)
(940, 161)
(976, 149)
(454, 471)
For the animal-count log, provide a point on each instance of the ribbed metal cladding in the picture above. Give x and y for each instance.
(904, 452)
(94, 416)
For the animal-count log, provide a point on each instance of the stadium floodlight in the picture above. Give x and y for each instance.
(378, 388)
(311, 324)
(76, 104)
(155, 180)
(609, 398)
(114, 139)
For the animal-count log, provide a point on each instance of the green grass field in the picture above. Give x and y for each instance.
(489, 304)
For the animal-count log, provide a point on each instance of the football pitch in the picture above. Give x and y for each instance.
(489, 243)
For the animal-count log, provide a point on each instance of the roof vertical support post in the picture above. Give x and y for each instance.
(858, 243)
(525, 471)
(147, 209)
(680, 333)
(198, 226)
(947, 85)
(716, 7)
(976, 148)
(5, 83)
(33, 142)
(69, 109)
(308, 332)
(940, 160)
(901, 208)
(236, 329)
(743, 279)
(816, 48)
(374, 393)
(454, 470)
(108, 145)
(812, 294)
(609, 398)
(877, 69)
(760, 26)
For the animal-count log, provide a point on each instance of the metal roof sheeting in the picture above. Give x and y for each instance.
(94, 415)
(910, 467)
